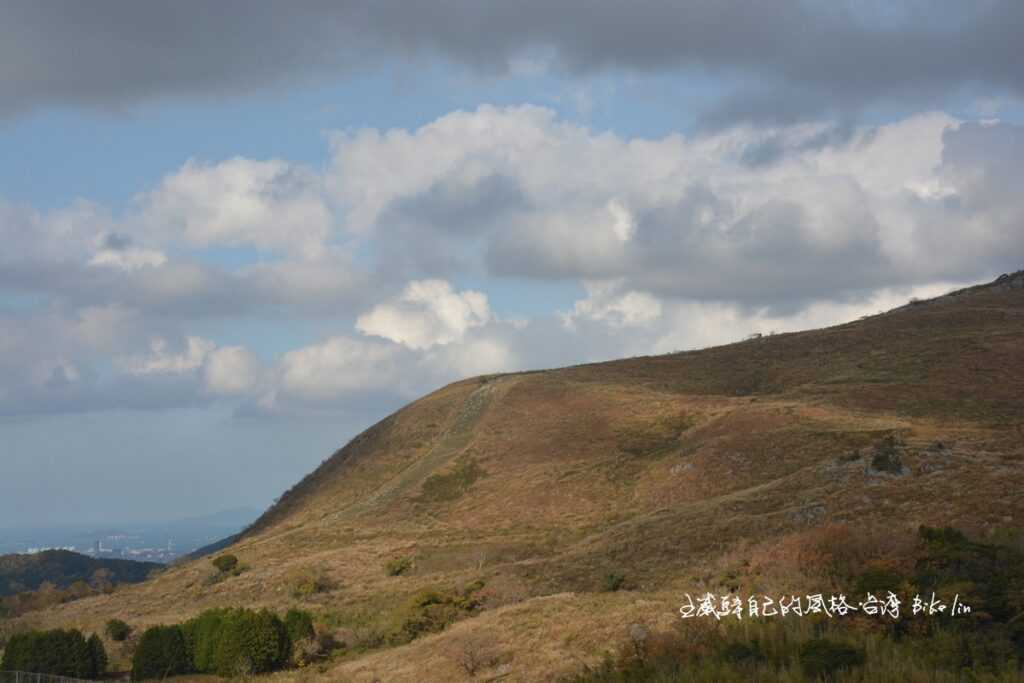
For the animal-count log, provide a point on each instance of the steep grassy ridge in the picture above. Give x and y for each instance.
(657, 470)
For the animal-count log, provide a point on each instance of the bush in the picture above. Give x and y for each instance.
(887, 456)
(225, 563)
(431, 611)
(440, 488)
(299, 625)
(161, 652)
(202, 636)
(822, 657)
(398, 566)
(57, 652)
(946, 536)
(473, 653)
(304, 645)
(251, 642)
(118, 630)
(877, 581)
(614, 581)
(652, 437)
(230, 642)
(988, 577)
(307, 581)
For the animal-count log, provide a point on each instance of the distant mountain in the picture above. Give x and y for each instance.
(160, 540)
(62, 567)
(234, 518)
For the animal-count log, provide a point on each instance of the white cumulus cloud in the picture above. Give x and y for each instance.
(427, 313)
(128, 259)
(231, 370)
(163, 360)
(747, 214)
(270, 205)
(336, 366)
(607, 303)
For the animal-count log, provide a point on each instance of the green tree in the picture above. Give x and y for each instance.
(97, 657)
(161, 652)
(117, 630)
(58, 652)
(251, 642)
(202, 635)
(15, 653)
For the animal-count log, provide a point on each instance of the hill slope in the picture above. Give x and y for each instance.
(659, 471)
(62, 568)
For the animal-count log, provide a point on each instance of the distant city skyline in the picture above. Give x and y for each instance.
(155, 542)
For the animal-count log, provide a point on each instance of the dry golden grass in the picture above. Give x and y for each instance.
(670, 470)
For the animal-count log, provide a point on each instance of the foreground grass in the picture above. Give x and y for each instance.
(778, 651)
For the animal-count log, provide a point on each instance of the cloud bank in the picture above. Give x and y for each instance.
(677, 242)
(788, 59)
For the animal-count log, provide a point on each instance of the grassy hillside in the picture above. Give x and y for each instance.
(544, 513)
(62, 568)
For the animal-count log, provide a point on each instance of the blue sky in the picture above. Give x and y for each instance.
(232, 246)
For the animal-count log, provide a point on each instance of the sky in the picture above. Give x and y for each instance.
(233, 235)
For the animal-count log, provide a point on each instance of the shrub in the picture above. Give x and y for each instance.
(877, 581)
(398, 566)
(887, 456)
(652, 437)
(431, 611)
(989, 578)
(299, 625)
(118, 630)
(202, 636)
(473, 653)
(307, 581)
(304, 645)
(225, 563)
(822, 657)
(439, 488)
(946, 536)
(161, 652)
(251, 642)
(614, 581)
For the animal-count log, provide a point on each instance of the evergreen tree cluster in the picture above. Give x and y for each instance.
(58, 652)
(225, 642)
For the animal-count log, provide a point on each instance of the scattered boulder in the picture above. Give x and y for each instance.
(680, 467)
(808, 514)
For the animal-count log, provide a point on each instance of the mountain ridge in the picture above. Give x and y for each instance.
(1007, 282)
(660, 472)
(27, 572)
